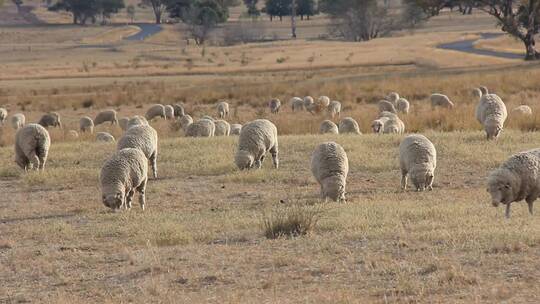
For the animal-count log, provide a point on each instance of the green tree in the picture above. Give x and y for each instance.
(130, 11)
(277, 8)
(251, 5)
(84, 10)
(305, 8)
(158, 7)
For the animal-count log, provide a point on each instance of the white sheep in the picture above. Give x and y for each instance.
(484, 90)
(201, 128)
(3, 115)
(297, 104)
(136, 121)
(144, 138)
(308, 102)
(476, 92)
(518, 178)
(106, 116)
(178, 110)
(328, 127)
(349, 125)
(387, 106)
(236, 129)
(334, 108)
(274, 105)
(441, 100)
(256, 139)
(403, 105)
(208, 117)
(121, 175)
(169, 112)
(378, 125)
(223, 128)
(393, 125)
(418, 160)
(104, 137)
(185, 121)
(522, 110)
(157, 110)
(222, 109)
(50, 120)
(17, 121)
(330, 167)
(32, 143)
(86, 124)
(123, 123)
(491, 113)
(393, 98)
(323, 101)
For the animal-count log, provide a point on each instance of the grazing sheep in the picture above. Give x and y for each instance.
(86, 124)
(522, 110)
(274, 105)
(257, 138)
(403, 105)
(136, 121)
(418, 160)
(308, 102)
(323, 101)
(17, 121)
(123, 123)
(476, 92)
(393, 125)
(50, 120)
(157, 110)
(222, 109)
(201, 128)
(185, 121)
(104, 137)
(106, 116)
(144, 138)
(349, 125)
(236, 129)
(386, 106)
(484, 90)
(32, 143)
(178, 110)
(208, 117)
(440, 100)
(297, 104)
(3, 115)
(334, 108)
(393, 98)
(328, 127)
(491, 113)
(169, 112)
(121, 175)
(223, 128)
(330, 166)
(378, 125)
(518, 178)
(72, 134)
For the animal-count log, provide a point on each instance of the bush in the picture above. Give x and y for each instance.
(291, 221)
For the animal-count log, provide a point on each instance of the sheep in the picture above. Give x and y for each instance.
(393, 98)
(178, 110)
(236, 129)
(50, 120)
(297, 104)
(349, 125)
(17, 121)
(328, 127)
(257, 138)
(157, 110)
(403, 105)
(123, 123)
(484, 90)
(106, 116)
(522, 110)
(518, 178)
(476, 92)
(104, 137)
(208, 117)
(223, 128)
(86, 124)
(330, 166)
(222, 109)
(393, 125)
(3, 115)
(440, 100)
(491, 113)
(144, 138)
(378, 125)
(418, 160)
(308, 102)
(136, 121)
(32, 143)
(387, 106)
(185, 121)
(121, 175)
(274, 105)
(169, 112)
(201, 128)
(334, 108)
(323, 101)
(72, 134)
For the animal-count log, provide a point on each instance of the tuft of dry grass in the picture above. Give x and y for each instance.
(292, 220)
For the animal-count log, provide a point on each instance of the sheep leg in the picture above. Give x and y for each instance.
(429, 183)
(403, 180)
(530, 201)
(507, 212)
(153, 161)
(275, 158)
(34, 160)
(129, 198)
(142, 190)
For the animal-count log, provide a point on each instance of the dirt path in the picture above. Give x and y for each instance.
(147, 30)
(467, 46)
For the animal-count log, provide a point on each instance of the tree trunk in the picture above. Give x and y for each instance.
(158, 17)
(293, 19)
(529, 42)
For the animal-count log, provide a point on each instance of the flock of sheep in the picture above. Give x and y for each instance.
(126, 171)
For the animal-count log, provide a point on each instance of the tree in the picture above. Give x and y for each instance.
(130, 11)
(18, 4)
(251, 5)
(305, 8)
(158, 7)
(278, 8)
(84, 10)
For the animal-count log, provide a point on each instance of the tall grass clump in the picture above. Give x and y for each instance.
(291, 221)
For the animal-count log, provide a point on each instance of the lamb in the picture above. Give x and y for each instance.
(17, 121)
(256, 139)
(157, 110)
(178, 110)
(403, 105)
(476, 92)
(222, 109)
(3, 115)
(418, 160)
(106, 116)
(136, 121)
(121, 175)
(236, 129)
(104, 137)
(330, 166)
(393, 98)
(223, 128)
(491, 113)
(169, 112)
(86, 124)
(334, 108)
(518, 178)
(323, 101)
(144, 138)
(349, 125)
(32, 143)
(201, 128)
(386, 106)
(274, 105)
(440, 100)
(185, 121)
(123, 123)
(297, 104)
(328, 127)
(484, 90)
(50, 120)
(522, 110)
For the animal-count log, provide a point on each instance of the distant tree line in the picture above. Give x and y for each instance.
(281, 8)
